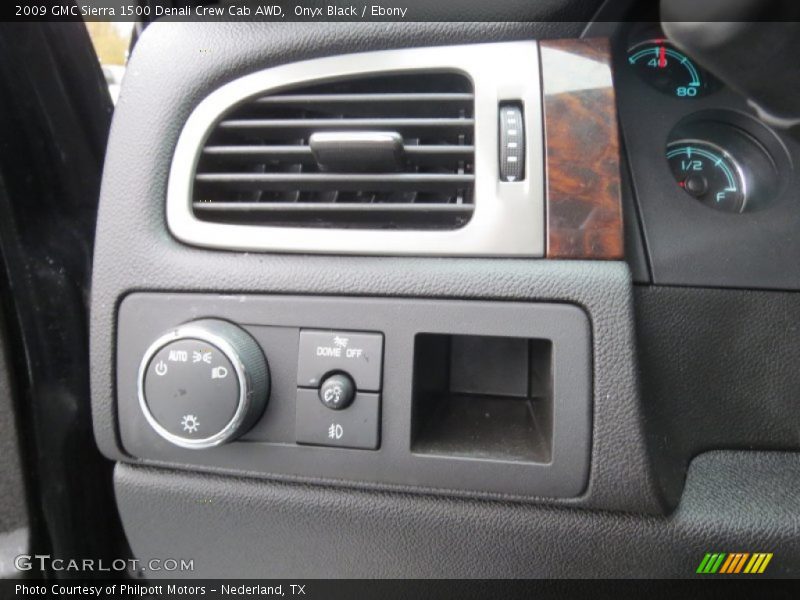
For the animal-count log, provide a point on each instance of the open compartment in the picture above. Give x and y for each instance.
(483, 397)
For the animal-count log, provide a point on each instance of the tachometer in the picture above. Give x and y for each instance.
(668, 70)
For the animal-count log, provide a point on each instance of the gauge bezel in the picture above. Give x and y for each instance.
(727, 156)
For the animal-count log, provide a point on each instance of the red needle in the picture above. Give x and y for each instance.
(662, 57)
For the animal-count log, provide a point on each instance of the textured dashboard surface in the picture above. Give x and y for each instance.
(733, 502)
(718, 370)
(134, 251)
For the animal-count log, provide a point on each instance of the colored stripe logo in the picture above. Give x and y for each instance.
(734, 563)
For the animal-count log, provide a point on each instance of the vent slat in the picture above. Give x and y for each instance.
(336, 181)
(409, 127)
(369, 105)
(317, 99)
(365, 216)
(258, 165)
(300, 207)
(421, 155)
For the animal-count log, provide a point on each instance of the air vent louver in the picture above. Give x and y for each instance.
(257, 165)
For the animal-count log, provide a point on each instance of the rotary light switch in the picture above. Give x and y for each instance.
(203, 384)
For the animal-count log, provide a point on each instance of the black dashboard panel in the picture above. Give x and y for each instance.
(687, 241)
(717, 372)
(135, 253)
(642, 439)
(471, 447)
(350, 533)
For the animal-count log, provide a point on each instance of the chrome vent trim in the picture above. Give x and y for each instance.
(507, 218)
(377, 152)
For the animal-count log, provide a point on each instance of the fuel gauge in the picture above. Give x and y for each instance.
(728, 161)
(709, 173)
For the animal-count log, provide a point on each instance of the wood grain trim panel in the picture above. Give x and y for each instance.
(583, 203)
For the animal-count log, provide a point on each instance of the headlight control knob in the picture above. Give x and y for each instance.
(203, 384)
(337, 391)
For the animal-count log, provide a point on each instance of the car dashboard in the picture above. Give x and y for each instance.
(496, 300)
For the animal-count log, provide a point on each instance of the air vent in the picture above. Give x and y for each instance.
(391, 152)
(387, 152)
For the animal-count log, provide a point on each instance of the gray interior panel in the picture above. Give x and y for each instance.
(734, 501)
(603, 290)
(718, 371)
